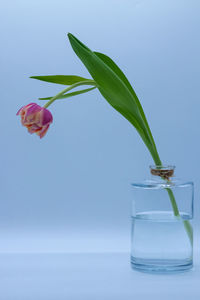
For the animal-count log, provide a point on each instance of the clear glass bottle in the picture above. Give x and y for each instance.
(162, 213)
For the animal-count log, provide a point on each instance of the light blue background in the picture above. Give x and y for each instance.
(71, 191)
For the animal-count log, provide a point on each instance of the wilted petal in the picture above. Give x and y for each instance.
(33, 128)
(47, 117)
(23, 108)
(43, 131)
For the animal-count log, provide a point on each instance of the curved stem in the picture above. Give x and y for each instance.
(186, 223)
(173, 202)
(86, 82)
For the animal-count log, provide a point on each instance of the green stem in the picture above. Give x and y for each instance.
(86, 82)
(186, 223)
(173, 202)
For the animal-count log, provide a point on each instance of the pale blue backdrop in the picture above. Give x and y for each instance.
(71, 191)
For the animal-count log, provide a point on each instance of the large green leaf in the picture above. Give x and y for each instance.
(70, 94)
(107, 60)
(116, 89)
(61, 79)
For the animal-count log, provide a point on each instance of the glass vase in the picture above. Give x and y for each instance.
(162, 213)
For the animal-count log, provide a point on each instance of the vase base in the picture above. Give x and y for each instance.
(160, 266)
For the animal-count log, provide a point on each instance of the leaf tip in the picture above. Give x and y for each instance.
(70, 36)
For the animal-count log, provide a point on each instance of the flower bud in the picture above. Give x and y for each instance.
(35, 118)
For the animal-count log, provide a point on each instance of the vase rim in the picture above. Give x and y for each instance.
(162, 167)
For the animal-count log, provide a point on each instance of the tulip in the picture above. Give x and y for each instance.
(35, 118)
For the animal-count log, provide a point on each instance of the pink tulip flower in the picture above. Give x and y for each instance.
(35, 118)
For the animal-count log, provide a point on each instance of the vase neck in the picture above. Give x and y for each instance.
(164, 172)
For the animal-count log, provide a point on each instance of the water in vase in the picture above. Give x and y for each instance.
(159, 242)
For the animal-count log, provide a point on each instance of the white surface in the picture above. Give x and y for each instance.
(88, 276)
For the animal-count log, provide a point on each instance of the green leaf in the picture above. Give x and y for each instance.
(116, 89)
(61, 79)
(107, 60)
(70, 94)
